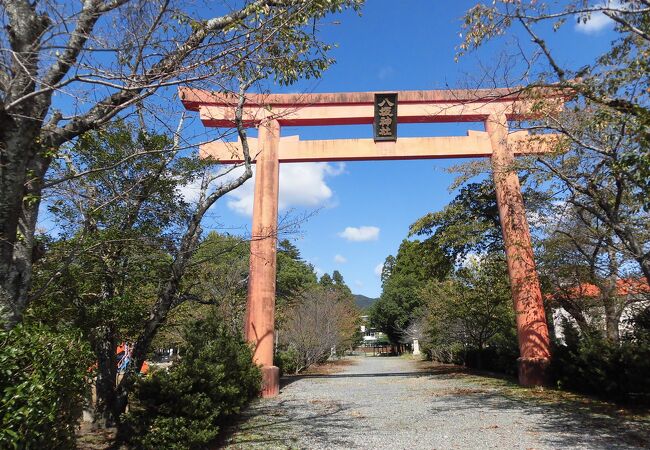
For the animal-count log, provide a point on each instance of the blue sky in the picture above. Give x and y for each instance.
(394, 45)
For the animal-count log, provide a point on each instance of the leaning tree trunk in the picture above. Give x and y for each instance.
(168, 294)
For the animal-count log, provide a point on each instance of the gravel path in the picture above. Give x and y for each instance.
(390, 403)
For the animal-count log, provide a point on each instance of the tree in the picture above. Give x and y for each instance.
(117, 287)
(324, 319)
(102, 58)
(326, 280)
(294, 275)
(602, 167)
(400, 300)
(337, 284)
(470, 222)
(587, 274)
(134, 236)
(387, 268)
(472, 307)
(338, 278)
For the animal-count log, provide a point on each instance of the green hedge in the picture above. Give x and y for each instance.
(501, 359)
(500, 356)
(594, 365)
(43, 383)
(287, 361)
(185, 407)
(586, 363)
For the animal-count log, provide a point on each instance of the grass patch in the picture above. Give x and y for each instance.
(543, 396)
(459, 392)
(257, 429)
(555, 397)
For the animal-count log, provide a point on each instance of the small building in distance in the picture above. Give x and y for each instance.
(368, 333)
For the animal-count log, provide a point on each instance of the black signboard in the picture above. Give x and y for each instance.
(385, 125)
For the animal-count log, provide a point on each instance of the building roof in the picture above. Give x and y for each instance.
(624, 286)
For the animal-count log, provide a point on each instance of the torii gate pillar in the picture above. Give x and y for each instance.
(260, 309)
(532, 330)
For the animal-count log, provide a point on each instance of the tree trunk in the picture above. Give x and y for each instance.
(19, 132)
(612, 323)
(479, 357)
(610, 299)
(106, 408)
(577, 314)
(16, 230)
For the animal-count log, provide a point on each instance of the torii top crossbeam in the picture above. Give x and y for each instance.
(353, 108)
(349, 108)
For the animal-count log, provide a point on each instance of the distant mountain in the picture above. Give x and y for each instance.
(363, 302)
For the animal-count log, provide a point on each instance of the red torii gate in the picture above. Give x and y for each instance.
(493, 107)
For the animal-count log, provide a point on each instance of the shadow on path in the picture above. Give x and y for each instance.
(263, 425)
(566, 425)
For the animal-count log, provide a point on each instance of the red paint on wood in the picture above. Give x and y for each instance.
(532, 330)
(259, 324)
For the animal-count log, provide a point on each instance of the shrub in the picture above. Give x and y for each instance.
(499, 355)
(597, 366)
(288, 361)
(323, 318)
(184, 407)
(43, 382)
(446, 354)
(498, 358)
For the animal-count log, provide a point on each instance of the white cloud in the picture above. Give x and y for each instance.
(241, 199)
(340, 259)
(471, 259)
(596, 21)
(358, 234)
(358, 283)
(191, 191)
(301, 184)
(549, 219)
(378, 269)
(594, 24)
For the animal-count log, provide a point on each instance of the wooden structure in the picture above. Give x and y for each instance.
(494, 108)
